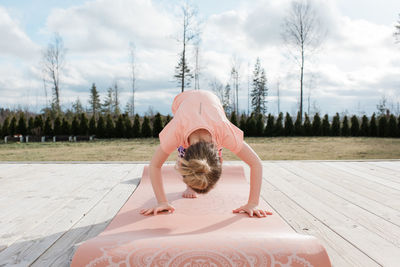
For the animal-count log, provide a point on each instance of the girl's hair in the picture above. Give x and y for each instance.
(200, 167)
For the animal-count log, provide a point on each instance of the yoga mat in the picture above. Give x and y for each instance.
(202, 231)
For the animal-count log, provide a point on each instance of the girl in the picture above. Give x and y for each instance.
(199, 129)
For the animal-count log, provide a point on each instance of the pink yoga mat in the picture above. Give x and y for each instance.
(202, 231)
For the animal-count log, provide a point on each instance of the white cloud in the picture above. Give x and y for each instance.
(14, 41)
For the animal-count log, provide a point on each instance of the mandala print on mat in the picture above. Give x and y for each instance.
(163, 253)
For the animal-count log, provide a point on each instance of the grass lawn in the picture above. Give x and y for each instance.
(276, 148)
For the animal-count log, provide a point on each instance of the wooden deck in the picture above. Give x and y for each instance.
(353, 207)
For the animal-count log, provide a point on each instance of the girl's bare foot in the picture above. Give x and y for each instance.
(189, 193)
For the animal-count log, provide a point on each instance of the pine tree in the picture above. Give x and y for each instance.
(117, 110)
(260, 90)
(146, 130)
(128, 126)
(355, 127)
(289, 127)
(298, 127)
(157, 125)
(373, 128)
(94, 101)
(345, 131)
(326, 131)
(57, 126)
(251, 125)
(13, 126)
(260, 125)
(66, 127)
(168, 119)
(307, 125)
(364, 130)
(336, 125)
(242, 124)
(136, 129)
(77, 106)
(120, 127)
(22, 129)
(1, 131)
(6, 129)
(83, 125)
(278, 131)
(110, 130)
(269, 129)
(316, 125)
(31, 124)
(382, 126)
(233, 118)
(107, 106)
(48, 131)
(392, 127)
(182, 73)
(101, 128)
(398, 126)
(92, 125)
(75, 126)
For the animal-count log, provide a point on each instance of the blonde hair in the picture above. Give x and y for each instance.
(200, 167)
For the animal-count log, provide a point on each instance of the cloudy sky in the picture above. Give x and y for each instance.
(356, 66)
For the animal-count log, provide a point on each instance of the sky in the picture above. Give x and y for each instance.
(354, 68)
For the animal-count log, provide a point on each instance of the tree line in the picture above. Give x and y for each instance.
(107, 126)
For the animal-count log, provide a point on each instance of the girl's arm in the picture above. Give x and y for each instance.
(248, 155)
(156, 163)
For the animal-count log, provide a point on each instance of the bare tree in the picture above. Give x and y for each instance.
(190, 33)
(197, 68)
(235, 82)
(302, 32)
(397, 32)
(53, 61)
(116, 99)
(130, 106)
(223, 93)
(278, 96)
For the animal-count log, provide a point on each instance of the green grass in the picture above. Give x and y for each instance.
(276, 148)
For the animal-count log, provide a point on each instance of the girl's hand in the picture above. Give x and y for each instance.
(160, 207)
(251, 208)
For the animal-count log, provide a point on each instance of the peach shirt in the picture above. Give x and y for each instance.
(194, 109)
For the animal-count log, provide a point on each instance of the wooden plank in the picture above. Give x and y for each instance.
(379, 249)
(307, 172)
(391, 169)
(380, 177)
(46, 197)
(382, 194)
(44, 234)
(96, 220)
(364, 217)
(340, 251)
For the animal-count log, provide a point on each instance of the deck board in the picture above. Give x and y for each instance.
(352, 207)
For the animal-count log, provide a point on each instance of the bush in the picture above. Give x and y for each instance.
(289, 127)
(345, 131)
(335, 130)
(269, 129)
(22, 129)
(101, 128)
(136, 129)
(157, 125)
(373, 128)
(392, 127)
(298, 128)
(57, 126)
(307, 126)
(383, 126)
(316, 125)
(364, 130)
(260, 125)
(326, 127)
(355, 126)
(146, 130)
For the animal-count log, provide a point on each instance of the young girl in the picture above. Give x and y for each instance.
(199, 130)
